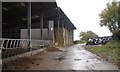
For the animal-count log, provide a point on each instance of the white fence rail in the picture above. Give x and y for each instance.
(12, 47)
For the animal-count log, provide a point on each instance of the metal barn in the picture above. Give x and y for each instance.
(28, 26)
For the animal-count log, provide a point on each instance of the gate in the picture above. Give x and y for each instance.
(12, 47)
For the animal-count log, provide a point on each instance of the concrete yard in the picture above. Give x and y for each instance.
(71, 58)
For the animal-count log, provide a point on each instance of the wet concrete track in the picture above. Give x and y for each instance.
(72, 58)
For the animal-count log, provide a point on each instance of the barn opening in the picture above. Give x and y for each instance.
(33, 24)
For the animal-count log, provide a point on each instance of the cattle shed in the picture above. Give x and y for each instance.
(37, 21)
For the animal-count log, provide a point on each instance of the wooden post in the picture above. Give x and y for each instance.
(65, 34)
(58, 32)
(29, 24)
(68, 34)
(62, 34)
(51, 32)
(72, 36)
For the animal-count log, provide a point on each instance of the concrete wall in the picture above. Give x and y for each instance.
(65, 35)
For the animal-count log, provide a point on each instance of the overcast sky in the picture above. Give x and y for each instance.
(84, 14)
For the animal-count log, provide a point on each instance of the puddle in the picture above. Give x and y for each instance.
(87, 67)
(37, 64)
(32, 63)
(27, 67)
(65, 51)
(77, 59)
(72, 69)
(87, 61)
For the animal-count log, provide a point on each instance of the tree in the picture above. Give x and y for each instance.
(119, 21)
(86, 35)
(110, 18)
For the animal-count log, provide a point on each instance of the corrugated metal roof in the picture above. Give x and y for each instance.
(15, 13)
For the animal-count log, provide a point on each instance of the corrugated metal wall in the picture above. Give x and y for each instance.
(35, 34)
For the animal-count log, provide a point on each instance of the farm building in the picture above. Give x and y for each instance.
(34, 23)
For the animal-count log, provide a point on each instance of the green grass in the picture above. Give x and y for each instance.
(108, 52)
(79, 41)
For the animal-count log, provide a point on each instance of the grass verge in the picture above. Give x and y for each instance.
(109, 52)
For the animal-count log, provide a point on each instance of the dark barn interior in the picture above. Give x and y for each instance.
(15, 17)
(28, 26)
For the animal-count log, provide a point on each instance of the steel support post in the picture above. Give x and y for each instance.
(58, 22)
(51, 32)
(65, 35)
(29, 24)
(72, 35)
(0, 19)
(68, 36)
(48, 30)
(41, 27)
(62, 34)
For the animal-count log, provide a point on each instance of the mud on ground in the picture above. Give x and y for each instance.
(25, 62)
